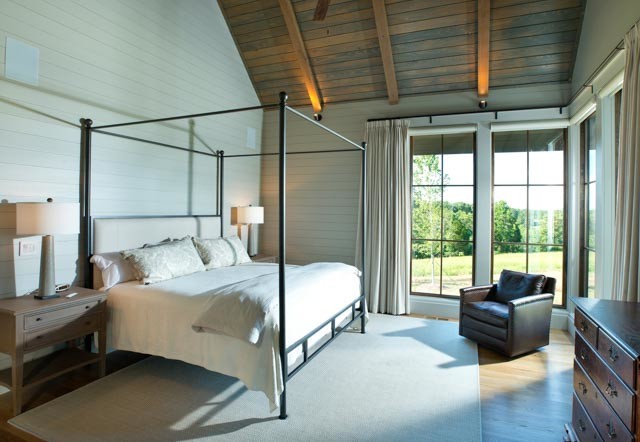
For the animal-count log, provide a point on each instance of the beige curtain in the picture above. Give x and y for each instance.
(388, 230)
(626, 264)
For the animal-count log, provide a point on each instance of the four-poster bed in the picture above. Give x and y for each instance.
(356, 307)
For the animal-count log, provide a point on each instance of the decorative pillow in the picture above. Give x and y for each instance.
(215, 252)
(114, 269)
(241, 255)
(165, 261)
(513, 285)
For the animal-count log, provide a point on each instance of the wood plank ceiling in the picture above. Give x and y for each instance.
(433, 44)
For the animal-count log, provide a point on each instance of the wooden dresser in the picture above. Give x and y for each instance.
(606, 373)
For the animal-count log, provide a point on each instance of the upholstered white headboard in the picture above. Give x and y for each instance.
(115, 234)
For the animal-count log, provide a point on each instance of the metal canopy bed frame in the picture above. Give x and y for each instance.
(357, 307)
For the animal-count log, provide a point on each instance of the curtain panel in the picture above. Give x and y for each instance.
(388, 230)
(626, 251)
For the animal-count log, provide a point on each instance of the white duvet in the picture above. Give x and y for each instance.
(157, 319)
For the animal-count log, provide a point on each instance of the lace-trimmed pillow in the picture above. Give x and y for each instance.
(165, 261)
(221, 252)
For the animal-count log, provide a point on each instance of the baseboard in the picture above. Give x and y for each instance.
(450, 308)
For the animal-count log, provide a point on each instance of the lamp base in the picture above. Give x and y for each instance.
(46, 296)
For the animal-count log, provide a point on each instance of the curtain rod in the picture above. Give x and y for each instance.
(431, 116)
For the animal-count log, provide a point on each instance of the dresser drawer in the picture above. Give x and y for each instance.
(606, 421)
(617, 358)
(44, 319)
(586, 327)
(61, 331)
(584, 428)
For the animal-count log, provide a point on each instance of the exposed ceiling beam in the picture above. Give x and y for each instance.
(484, 18)
(321, 10)
(386, 52)
(301, 53)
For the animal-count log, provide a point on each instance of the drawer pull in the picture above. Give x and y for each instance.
(39, 337)
(583, 387)
(613, 354)
(611, 389)
(581, 425)
(583, 354)
(611, 432)
(584, 326)
(86, 307)
(38, 319)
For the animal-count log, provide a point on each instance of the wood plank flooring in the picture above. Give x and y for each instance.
(527, 398)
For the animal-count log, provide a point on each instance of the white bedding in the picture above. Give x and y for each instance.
(156, 319)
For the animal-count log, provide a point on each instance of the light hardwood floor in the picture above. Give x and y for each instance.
(523, 399)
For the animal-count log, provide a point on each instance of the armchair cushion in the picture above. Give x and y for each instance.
(494, 313)
(513, 285)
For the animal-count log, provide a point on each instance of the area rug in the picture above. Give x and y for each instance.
(406, 379)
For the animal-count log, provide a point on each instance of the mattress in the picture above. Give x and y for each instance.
(156, 319)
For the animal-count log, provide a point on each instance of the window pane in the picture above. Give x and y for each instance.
(510, 257)
(458, 213)
(591, 274)
(510, 158)
(590, 143)
(591, 216)
(509, 212)
(457, 163)
(457, 268)
(548, 261)
(546, 157)
(546, 210)
(426, 212)
(425, 267)
(427, 160)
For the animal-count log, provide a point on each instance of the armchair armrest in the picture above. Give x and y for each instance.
(525, 300)
(475, 294)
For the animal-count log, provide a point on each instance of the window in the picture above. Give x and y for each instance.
(589, 184)
(529, 204)
(443, 205)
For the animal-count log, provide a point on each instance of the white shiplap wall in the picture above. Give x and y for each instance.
(115, 61)
(323, 190)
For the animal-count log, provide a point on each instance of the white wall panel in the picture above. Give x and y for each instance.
(115, 61)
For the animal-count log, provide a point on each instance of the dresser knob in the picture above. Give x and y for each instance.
(583, 387)
(583, 354)
(86, 307)
(38, 319)
(39, 337)
(613, 354)
(611, 389)
(583, 326)
(581, 425)
(611, 432)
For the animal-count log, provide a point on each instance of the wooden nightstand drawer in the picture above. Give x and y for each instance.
(587, 328)
(61, 332)
(42, 319)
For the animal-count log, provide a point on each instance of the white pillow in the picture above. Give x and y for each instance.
(165, 261)
(215, 252)
(114, 269)
(241, 255)
(221, 252)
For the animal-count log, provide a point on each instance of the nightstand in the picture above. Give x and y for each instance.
(264, 258)
(28, 324)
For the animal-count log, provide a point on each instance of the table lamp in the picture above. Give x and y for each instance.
(250, 215)
(47, 219)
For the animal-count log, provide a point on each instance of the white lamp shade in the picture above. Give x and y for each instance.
(250, 215)
(47, 218)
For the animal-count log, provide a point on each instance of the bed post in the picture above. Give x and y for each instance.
(282, 249)
(85, 201)
(363, 227)
(221, 191)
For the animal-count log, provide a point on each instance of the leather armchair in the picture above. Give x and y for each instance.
(511, 324)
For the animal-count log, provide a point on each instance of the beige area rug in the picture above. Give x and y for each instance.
(406, 379)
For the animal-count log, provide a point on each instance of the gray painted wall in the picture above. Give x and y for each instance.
(604, 25)
(116, 61)
(323, 189)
